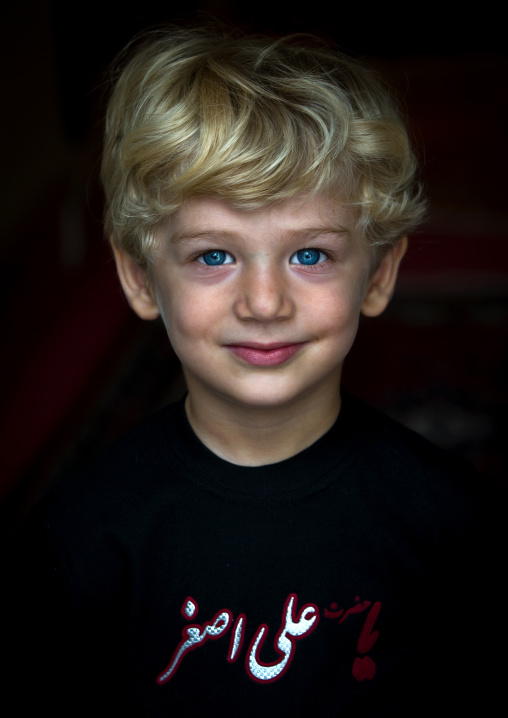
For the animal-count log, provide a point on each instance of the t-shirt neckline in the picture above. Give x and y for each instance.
(302, 473)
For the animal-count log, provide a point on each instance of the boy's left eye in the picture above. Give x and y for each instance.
(307, 257)
(216, 258)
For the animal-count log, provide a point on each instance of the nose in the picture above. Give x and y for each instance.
(264, 295)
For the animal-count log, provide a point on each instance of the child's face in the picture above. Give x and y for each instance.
(261, 306)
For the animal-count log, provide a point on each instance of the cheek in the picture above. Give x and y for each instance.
(187, 318)
(337, 308)
(353, 295)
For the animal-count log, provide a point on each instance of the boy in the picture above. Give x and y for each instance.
(269, 545)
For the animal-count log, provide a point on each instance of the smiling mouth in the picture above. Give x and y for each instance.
(259, 354)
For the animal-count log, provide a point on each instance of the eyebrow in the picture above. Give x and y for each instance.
(183, 236)
(190, 235)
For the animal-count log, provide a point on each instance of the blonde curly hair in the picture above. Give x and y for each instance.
(252, 121)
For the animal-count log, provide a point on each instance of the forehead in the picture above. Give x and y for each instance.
(295, 217)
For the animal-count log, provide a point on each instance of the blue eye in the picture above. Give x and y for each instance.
(307, 257)
(216, 257)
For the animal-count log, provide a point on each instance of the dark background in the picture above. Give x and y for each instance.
(79, 369)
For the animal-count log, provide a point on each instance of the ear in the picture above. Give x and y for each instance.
(382, 282)
(136, 285)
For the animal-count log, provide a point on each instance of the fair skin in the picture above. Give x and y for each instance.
(262, 308)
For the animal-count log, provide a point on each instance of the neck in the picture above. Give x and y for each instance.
(254, 436)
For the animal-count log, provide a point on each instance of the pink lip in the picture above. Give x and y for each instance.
(265, 354)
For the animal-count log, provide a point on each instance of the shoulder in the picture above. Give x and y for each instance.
(142, 453)
(90, 524)
(112, 494)
(397, 448)
(399, 467)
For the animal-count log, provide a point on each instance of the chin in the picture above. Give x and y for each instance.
(260, 398)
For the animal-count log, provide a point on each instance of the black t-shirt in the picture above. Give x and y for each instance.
(357, 578)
